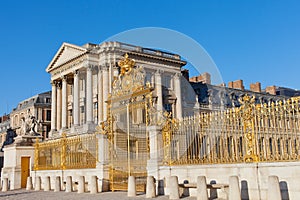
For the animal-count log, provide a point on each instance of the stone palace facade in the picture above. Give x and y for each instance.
(82, 77)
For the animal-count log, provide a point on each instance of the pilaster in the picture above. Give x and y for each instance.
(89, 94)
(64, 103)
(76, 99)
(177, 88)
(100, 95)
(158, 88)
(105, 76)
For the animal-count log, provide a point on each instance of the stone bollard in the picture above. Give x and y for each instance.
(234, 188)
(29, 183)
(273, 188)
(37, 185)
(150, 187)
(5, 185)
(57, 187)
(167, 185)
(69, 186)
(81, 184)
(131, 187)
(93, 185)
(202, 193)
(47, 185)
(174, 188)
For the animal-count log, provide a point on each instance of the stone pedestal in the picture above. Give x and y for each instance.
(18, 163)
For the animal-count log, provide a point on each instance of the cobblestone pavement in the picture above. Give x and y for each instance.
(41, 195)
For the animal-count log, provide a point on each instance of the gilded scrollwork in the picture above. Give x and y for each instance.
(246, 109)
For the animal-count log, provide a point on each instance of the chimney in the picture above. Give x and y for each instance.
(255, 87)
(230, 84)
(238, 84)
(194, 79)
(204, 78)
(271, 90)
(185, 74)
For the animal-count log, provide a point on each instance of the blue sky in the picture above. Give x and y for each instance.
(249, 40)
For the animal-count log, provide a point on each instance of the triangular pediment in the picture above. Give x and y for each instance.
(65, 53)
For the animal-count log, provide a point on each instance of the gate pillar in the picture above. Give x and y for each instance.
(156, 153)
(103, 162)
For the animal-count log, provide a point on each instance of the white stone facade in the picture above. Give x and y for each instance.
(82, 79)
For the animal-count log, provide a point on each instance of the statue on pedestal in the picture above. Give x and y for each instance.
(29, 125)
(28, 131)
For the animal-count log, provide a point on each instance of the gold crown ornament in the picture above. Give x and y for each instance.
(126, 65)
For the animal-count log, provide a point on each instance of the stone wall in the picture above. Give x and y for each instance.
(102, 175)
(253, 177)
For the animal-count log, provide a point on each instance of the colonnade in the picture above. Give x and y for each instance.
(76, 98)
(82, 93)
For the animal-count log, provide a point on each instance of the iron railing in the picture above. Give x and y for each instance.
(75, 152)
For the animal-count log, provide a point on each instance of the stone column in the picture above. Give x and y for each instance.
(53, 107)
(64, 103)
(177, 89)
(76, 99)
(100, 95)
(89, 95)
(105, 77)
(158, 88)
(58, 113)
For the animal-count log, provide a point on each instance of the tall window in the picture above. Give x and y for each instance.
(48, 100)
(148, 77)
(167, 81)
(48, 115)
(168, 107)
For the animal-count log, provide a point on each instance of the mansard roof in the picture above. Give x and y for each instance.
(65, 53)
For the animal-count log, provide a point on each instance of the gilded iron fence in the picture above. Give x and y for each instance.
(250, 133)
(75, 152)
